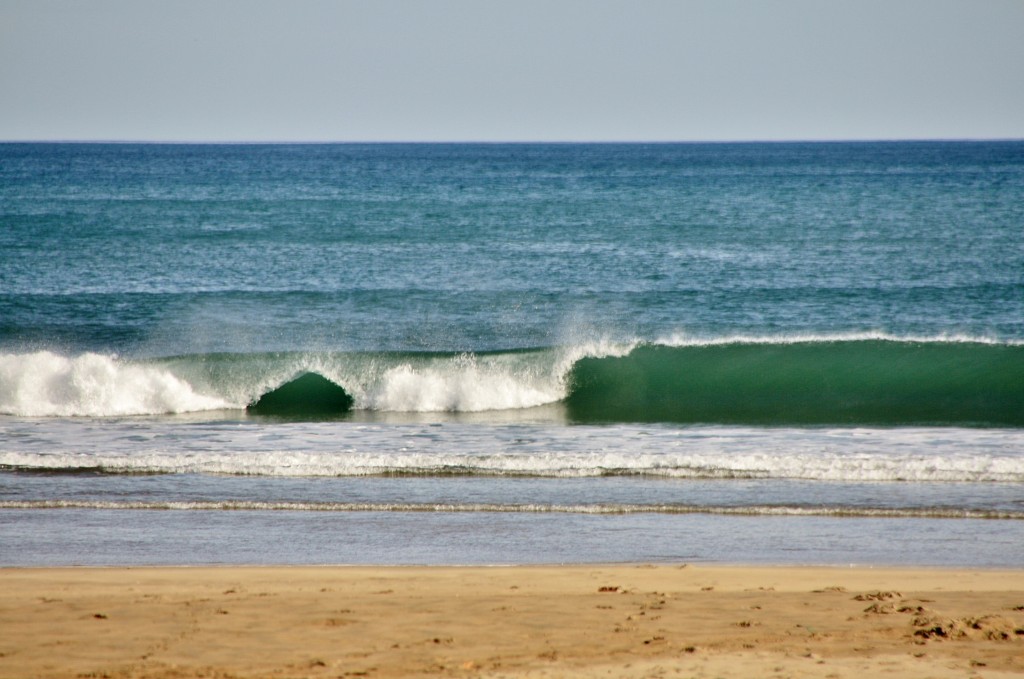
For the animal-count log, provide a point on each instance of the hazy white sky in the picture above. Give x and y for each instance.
(516, 70)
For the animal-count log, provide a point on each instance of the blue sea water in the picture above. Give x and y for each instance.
(512, 353)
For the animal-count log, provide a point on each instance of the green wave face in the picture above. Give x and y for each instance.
(308, 395)
(841, 382)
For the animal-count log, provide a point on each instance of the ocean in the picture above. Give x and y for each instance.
(806, 353)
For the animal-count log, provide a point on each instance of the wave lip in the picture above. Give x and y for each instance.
(683, 339)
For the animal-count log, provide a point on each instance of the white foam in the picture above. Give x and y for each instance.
(45, 384)
(458, 385)
(468, 382)
(414, 456)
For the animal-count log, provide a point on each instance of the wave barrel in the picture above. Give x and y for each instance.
(835, 382)
(308, 395)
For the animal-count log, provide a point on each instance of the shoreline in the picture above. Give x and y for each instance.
(581, 620)
(153, 538)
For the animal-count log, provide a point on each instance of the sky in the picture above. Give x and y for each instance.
(510, 70)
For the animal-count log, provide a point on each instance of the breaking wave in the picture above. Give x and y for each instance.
(843, 379)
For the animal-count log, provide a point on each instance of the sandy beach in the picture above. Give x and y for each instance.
(579, 621)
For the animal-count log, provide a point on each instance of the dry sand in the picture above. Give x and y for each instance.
(561, 621)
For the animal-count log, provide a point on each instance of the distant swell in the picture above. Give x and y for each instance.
(847, 380)
(838, 382)
(599, 509)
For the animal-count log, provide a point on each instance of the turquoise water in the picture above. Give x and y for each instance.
(745, 334)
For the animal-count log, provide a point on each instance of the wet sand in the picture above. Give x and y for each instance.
(558, 621)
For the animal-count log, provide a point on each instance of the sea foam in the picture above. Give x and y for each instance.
(696, 466)
(45, 384)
